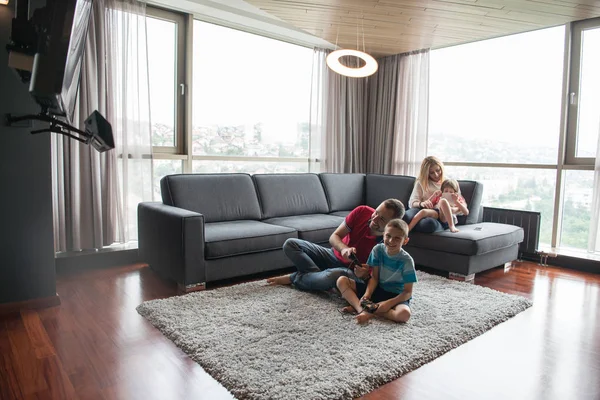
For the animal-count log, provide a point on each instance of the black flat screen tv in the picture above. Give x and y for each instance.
(55, 38)
(56, 72)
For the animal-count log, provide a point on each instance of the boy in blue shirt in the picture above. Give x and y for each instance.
(387, 294)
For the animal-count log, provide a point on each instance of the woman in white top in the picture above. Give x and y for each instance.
(429, 181)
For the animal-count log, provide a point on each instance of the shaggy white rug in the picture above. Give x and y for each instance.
(275, 342)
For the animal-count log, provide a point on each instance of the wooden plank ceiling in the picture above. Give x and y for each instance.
(398, 26)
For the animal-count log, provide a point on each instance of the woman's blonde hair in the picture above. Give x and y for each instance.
(426, 165)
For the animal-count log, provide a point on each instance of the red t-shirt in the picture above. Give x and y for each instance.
(360, 235)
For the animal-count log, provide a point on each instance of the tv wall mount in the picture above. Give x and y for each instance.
(95, 134)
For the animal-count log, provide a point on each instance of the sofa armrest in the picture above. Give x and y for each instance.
(171, 241)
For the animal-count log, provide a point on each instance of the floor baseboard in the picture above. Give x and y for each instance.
(100, 259)
(33, 304)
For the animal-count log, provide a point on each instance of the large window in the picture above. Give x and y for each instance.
(251, 99)
(247, 109)
(495, 112)
(499, 100)
(496, 115)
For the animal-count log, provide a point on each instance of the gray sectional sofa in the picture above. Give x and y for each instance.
(211, 227)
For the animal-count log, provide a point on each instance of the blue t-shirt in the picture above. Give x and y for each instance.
(394, 271)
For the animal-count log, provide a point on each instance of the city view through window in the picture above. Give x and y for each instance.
(251, 102)
(250, 106)
(499, 101)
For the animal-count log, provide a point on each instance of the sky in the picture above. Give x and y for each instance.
(510, 88)
(239, 79)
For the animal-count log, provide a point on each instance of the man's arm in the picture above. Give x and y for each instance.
(335, 240)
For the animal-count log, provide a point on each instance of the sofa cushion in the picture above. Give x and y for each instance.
(315, 228)
(219, 197)
(343, 191)
(343, 214)
(472, 191)
(472, 239)
(383, 187)
(283, 195)
(224, 239)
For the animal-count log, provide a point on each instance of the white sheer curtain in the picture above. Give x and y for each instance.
(96, 195)
(412, 113)
(318, 107)
(594, 235)
(398, 114)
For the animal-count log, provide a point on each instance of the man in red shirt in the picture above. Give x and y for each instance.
(320, 267)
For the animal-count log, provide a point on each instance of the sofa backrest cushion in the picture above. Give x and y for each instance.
(220, 197)
(282, 195)
(382, 187)
(344, 191)
(472, 191)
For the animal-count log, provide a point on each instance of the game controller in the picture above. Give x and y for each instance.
(368, 305)
(353, 260)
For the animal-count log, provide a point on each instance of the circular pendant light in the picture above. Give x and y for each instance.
(333, 61)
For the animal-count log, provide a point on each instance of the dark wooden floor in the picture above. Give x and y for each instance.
(96, 346)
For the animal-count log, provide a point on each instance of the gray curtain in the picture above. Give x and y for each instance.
(343, 144)
(381, 119)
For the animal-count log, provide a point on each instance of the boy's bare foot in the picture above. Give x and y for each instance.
(348, 310)
(454, 229)
(363, 317)
(280, 280)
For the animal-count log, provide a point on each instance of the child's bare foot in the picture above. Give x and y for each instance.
(454, 229)
(363, 317)
(280, 280)
(348, 310)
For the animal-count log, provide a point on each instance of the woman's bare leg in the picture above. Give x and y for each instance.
(420, 215)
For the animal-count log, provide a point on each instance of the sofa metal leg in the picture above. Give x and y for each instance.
(196, 287)
(460, 277)
(508, 266)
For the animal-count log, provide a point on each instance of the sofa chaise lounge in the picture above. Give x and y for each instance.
(211, 227)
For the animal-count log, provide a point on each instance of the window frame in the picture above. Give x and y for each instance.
(572, 102)
(180, 86)
(184, 71)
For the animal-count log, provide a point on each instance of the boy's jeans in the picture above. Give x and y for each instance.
(318, 268)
